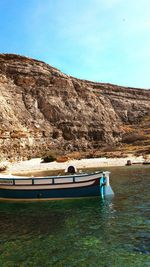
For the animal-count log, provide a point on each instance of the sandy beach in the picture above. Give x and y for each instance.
(35, 165)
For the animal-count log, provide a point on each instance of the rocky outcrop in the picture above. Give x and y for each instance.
(41, 109)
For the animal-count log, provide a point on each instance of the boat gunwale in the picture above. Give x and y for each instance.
(2, 186)
(49, 177)
(92, 182)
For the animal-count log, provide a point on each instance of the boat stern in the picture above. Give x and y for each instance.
(105, 188)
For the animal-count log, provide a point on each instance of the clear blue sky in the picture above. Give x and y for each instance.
(99, 40)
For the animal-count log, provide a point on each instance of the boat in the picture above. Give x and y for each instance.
(55, 187)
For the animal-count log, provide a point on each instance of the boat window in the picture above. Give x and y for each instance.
(23, 182)
(64, 180)
(42, 181)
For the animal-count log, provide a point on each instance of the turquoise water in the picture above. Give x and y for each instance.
(89, 232)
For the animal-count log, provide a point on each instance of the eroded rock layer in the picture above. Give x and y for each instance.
(42, 109)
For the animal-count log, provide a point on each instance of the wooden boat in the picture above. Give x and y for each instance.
(55, 187)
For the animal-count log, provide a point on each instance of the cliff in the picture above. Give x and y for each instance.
(43, 109)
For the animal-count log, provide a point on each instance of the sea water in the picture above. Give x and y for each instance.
(85, 232)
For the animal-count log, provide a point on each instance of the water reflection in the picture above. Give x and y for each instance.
(84, 232)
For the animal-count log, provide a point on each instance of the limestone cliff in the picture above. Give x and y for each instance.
(41, 109)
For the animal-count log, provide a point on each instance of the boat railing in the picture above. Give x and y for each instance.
(50, 180)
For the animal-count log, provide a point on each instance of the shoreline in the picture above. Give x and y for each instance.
(36, 165)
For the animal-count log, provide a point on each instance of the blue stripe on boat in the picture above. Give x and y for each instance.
(52, 193)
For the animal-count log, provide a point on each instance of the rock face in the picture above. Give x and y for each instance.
(42, 109)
